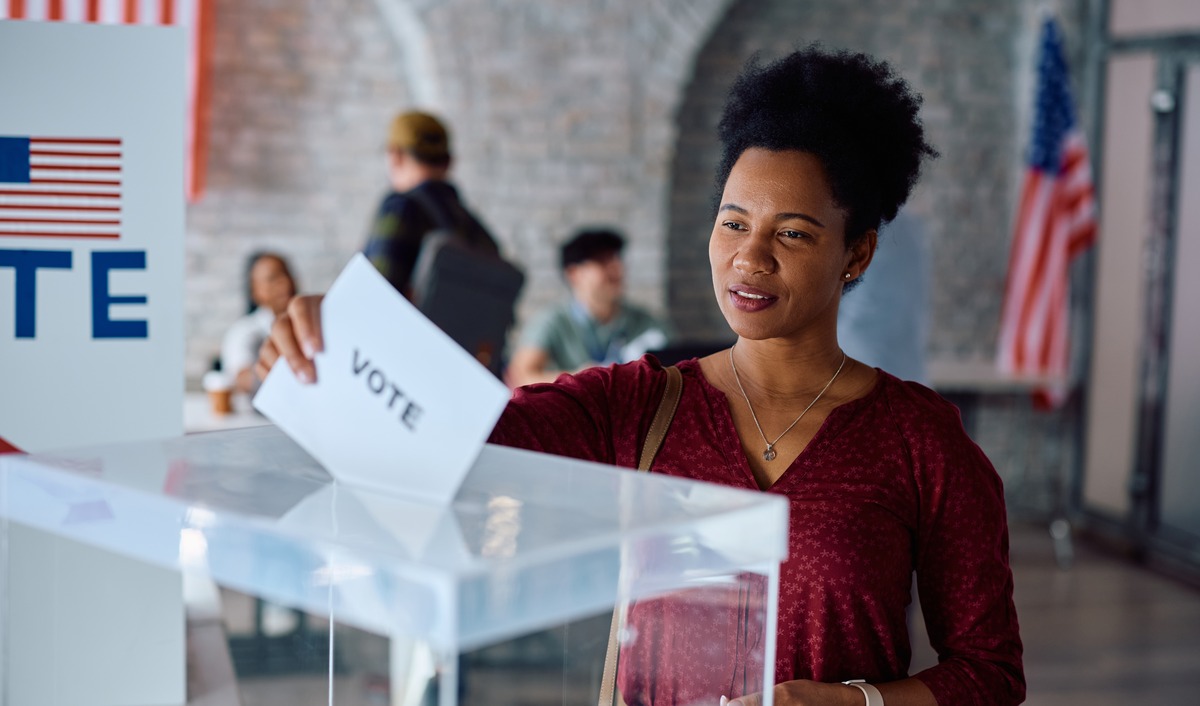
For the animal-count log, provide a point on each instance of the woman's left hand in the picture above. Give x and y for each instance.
(806, 693)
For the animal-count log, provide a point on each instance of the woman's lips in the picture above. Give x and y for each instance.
(750, 299)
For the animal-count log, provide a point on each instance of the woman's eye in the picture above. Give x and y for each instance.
(794, 234)
(732, 225)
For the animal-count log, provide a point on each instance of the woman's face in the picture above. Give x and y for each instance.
(270, 284)
(778, 250)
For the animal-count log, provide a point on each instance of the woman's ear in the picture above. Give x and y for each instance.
(861, 254)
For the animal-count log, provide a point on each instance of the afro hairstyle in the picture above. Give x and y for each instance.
(851, 111)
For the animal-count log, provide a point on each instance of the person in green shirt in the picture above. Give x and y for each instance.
(595, 325)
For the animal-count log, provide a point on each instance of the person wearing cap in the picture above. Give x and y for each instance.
(595, 326)
(420, 200)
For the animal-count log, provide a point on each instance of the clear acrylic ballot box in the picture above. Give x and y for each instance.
(298, 589)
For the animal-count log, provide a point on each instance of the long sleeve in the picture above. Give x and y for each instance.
(575, 415)
(963, 576)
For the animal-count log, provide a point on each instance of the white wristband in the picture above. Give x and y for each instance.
(874, 698)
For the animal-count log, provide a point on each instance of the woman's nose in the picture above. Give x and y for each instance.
(754, 256)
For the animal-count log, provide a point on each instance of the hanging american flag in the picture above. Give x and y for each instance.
(195, 15)
(60, 187)
(1055, 223)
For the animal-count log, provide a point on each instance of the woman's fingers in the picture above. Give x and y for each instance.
(305, 315)
(295, 337)
(267, 355)
(283, 335)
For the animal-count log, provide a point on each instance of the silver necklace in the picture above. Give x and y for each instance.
(769, 452)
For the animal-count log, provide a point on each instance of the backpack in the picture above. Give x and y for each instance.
(464, 286)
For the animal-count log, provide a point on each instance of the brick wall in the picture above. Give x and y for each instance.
(564, 117)
(561, 113)
(300, 92)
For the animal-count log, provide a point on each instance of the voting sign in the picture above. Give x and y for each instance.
(91, 233)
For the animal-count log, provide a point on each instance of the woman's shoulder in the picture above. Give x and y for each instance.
(932, 428)
(910, 395)
(917, 409)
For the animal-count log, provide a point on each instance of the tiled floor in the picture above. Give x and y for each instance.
(1104, 633)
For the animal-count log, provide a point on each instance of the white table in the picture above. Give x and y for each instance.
(198, 414)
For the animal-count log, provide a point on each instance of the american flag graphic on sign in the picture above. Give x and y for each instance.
(60, 187)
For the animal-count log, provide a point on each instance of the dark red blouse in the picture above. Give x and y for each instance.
(890, 484)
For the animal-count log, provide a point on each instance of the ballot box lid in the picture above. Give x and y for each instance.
(531, 540)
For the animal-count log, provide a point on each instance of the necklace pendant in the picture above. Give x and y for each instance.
(769, 454)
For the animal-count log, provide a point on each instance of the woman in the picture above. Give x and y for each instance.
(820, 149)
(269, 287)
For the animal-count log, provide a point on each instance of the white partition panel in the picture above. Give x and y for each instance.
(1119, 307)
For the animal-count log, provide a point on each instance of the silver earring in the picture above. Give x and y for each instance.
(847, 275)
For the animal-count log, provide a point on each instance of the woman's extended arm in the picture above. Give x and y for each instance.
(569, 419)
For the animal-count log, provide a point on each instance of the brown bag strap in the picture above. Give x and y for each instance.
(608, 682)
(653, 442)
(662, 418)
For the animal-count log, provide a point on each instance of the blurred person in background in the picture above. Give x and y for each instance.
(421, 200)
(595, 325)
(269, 286)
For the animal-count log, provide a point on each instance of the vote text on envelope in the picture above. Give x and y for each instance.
(398, 406)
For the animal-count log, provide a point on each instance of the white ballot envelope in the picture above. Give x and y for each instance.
(398, 406)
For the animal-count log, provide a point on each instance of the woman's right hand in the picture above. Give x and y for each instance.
(296, 337)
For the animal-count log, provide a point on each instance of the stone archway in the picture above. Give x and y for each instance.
(563, 115)
(416, 51)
